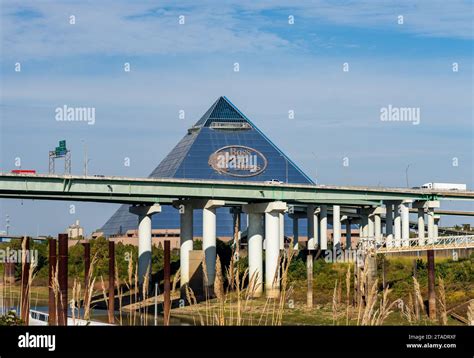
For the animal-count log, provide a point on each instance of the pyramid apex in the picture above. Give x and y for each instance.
(222, 111)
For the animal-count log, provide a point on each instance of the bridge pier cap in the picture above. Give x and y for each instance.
(200, 203)
(426, 204)
(267, 207)
(143, 210)
(378, 210)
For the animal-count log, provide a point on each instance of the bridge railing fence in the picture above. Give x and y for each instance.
(384, 243)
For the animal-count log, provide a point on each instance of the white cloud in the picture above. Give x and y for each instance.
(35, 30)
(434, 18)
(131, 28)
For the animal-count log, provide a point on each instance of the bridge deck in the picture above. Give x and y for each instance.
(163, 190)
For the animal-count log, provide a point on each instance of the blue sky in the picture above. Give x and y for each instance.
(282, 67)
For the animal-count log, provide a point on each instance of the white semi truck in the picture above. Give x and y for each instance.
(444, 186)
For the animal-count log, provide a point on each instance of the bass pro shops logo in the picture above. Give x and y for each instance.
(238, 161)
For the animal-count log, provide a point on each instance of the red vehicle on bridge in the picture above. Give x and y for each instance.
(23, 171)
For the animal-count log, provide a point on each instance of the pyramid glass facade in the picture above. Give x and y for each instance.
(222, 145)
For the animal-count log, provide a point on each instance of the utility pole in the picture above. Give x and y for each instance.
(166, 283)
(316, 169)
(86, 160)
(406, 174)
(156, 304)
(111, 281)
(52, 302)
(431, 285)
(7, 225)
(62, 279)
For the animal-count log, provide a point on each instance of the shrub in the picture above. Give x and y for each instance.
(10, 319)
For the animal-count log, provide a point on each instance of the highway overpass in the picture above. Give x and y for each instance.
(375, 208)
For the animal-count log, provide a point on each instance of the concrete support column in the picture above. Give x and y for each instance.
(363, 227)
(404, 211)
(431, 229)
(428, 207)
(323, 227)
(336, 226)
(348, 234)
(421, 226)
(389, 223)
(317, 238)
(397, 226)
(372, 222)
(272, 252)
(236, 212)
(144, 237)
(436, 225)
(209, 238)
(371, 227)
(186, 241)
(281, 218)
(272, 212)
(378, 228)
(312, 227)
(209, 242)
(255, 253)
(371, 270)
(144, 247)
(295, 233)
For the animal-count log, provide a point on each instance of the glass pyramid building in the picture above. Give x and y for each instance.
(223, 145)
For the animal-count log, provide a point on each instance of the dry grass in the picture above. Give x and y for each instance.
(25, 296)
(334, 305)
(145, 290)
(348, 292)
(89, 289)
(129, 283)
(373, 307)
(104, 292)
(119, 292)
(419, 298)
(56, 293)
(237, 307)
(470, 313)
(136, 293)
(75, 302)
(442, 302)
(362, 289)
(234, 292)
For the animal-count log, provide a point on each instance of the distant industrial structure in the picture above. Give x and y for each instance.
(75, 230)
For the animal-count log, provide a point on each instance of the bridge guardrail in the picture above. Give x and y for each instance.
(414, 244)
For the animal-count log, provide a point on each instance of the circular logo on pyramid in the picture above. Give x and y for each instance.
(238, 161)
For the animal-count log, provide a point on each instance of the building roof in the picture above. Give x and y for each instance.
(221, 111)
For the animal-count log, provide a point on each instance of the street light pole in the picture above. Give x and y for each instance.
(7, 224)
(406, 174)
(86, 160)
(316, 169)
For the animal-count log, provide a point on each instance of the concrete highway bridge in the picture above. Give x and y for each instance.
(382, 214)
